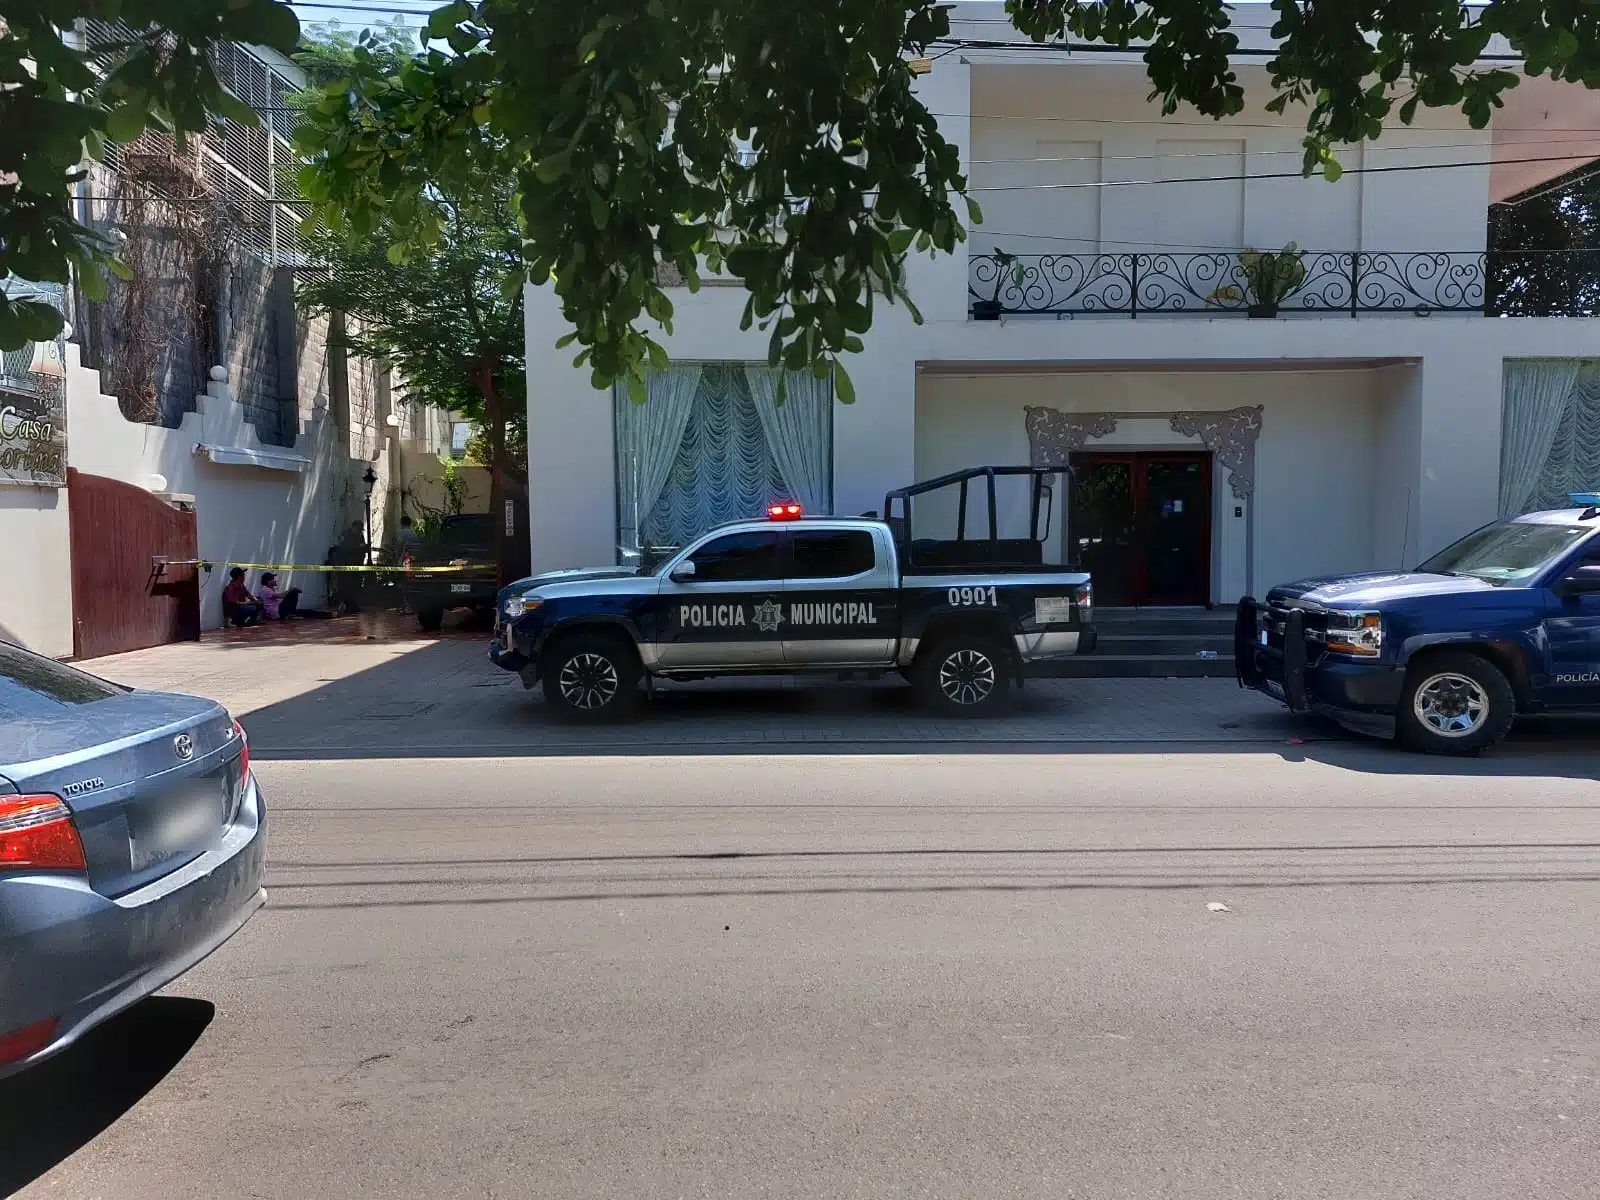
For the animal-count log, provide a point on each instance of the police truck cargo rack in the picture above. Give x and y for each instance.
(963, 618)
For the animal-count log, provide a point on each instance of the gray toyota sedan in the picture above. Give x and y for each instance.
(132, 845)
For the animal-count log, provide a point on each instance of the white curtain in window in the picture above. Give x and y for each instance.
(799, 431)
(1537, 395)
(1574, 461)
(648, 437)
(724, 470)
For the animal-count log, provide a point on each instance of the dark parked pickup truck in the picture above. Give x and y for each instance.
(962, 618)
(1444, 657)
(466, 541)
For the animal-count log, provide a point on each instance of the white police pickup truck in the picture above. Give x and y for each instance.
(963, 618)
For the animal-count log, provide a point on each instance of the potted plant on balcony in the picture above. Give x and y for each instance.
(1006, 266)
(1269, 280)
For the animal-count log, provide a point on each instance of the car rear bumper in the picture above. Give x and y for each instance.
(1046, 644)
(71, 955)
(425, 593)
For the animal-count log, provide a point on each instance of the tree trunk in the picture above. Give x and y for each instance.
(494, 416)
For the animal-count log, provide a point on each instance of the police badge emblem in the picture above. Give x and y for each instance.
(768, 616)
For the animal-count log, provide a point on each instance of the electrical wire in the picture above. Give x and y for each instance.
(1096, 158)
(1399, 167)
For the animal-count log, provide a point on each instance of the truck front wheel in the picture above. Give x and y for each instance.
(591, 677)
(1454, 703)
(963, 675)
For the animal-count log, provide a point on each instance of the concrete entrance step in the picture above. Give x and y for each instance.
(1139, 666)
(1151, 622)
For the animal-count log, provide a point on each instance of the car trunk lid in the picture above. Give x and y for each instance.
(152, 780)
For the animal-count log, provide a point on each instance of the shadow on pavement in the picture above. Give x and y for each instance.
(444, 700)
(50, 1112)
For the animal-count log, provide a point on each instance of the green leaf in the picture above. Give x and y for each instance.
(398, 253)
(237, 110)
(442, 20)
(974, 213)
(120, 269)
(1331, 170)
(126, 123)
(550, 169)
(843, 389)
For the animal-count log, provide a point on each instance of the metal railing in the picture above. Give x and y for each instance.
(1215, 283)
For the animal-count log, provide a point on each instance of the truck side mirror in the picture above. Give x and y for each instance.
(684, 571)
(1582, 580)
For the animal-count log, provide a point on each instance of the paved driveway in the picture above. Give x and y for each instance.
(442, 697)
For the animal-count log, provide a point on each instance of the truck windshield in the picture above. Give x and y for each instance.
(1505, 552)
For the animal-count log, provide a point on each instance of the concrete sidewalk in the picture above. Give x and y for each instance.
(442, 696)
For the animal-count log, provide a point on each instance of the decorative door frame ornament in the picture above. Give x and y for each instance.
(1231, 434)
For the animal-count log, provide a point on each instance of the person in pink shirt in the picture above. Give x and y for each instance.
(278, 606)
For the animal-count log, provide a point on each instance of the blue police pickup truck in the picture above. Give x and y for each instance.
(962, 618)
(1444, 657)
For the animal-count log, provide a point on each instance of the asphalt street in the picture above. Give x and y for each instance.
(875, 975)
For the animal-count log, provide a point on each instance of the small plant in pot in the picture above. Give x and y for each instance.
(1269, 280)
(1006, 266)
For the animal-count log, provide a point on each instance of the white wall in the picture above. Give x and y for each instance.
(1396, 467)
(243, 514)
(1312, 506)
(1431, 429)
(36, 581)
(1089, 123)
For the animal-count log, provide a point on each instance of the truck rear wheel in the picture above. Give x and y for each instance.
(431, 619)
(591, 677)
(1454, 703)
(963, 675)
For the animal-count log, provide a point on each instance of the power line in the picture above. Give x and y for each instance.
(1109, 183)
(1095, 158)
(1100, 48)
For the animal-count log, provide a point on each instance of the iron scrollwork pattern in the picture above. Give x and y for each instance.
(1214, 283)
(1053, 435)
(1231, 435)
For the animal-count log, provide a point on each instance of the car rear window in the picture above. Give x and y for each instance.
(30, 682)
(467, 531)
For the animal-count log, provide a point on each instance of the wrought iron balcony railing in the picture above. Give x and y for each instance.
(1217, 283)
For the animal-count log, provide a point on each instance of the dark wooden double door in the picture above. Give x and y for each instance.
(1140, 523)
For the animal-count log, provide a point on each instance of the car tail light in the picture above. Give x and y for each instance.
(30, 1039)
(241, 778)
(37, 833)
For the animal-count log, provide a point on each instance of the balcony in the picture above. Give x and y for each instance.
(1216, 284)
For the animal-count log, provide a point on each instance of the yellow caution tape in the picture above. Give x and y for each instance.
(453, 568)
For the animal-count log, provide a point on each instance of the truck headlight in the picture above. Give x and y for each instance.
(517, 606)
(1359, 634)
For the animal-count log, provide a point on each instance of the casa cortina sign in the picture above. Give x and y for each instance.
(33, 410)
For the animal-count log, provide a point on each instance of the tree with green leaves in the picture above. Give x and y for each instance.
(623, 121)
(447, 318)
(61, 102)
(1544, 249)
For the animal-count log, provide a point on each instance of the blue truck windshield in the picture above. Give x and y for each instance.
(1505, 552)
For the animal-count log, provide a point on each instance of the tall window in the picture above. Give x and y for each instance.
(711, 444)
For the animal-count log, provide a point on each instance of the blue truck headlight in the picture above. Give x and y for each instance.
(1359, 634)
(517, 606)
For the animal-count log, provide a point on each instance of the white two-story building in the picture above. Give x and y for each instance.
(1383, 411)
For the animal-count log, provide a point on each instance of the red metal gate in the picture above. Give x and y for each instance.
(121, 599)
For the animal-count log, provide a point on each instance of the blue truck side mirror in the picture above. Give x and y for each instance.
(1582, 580)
